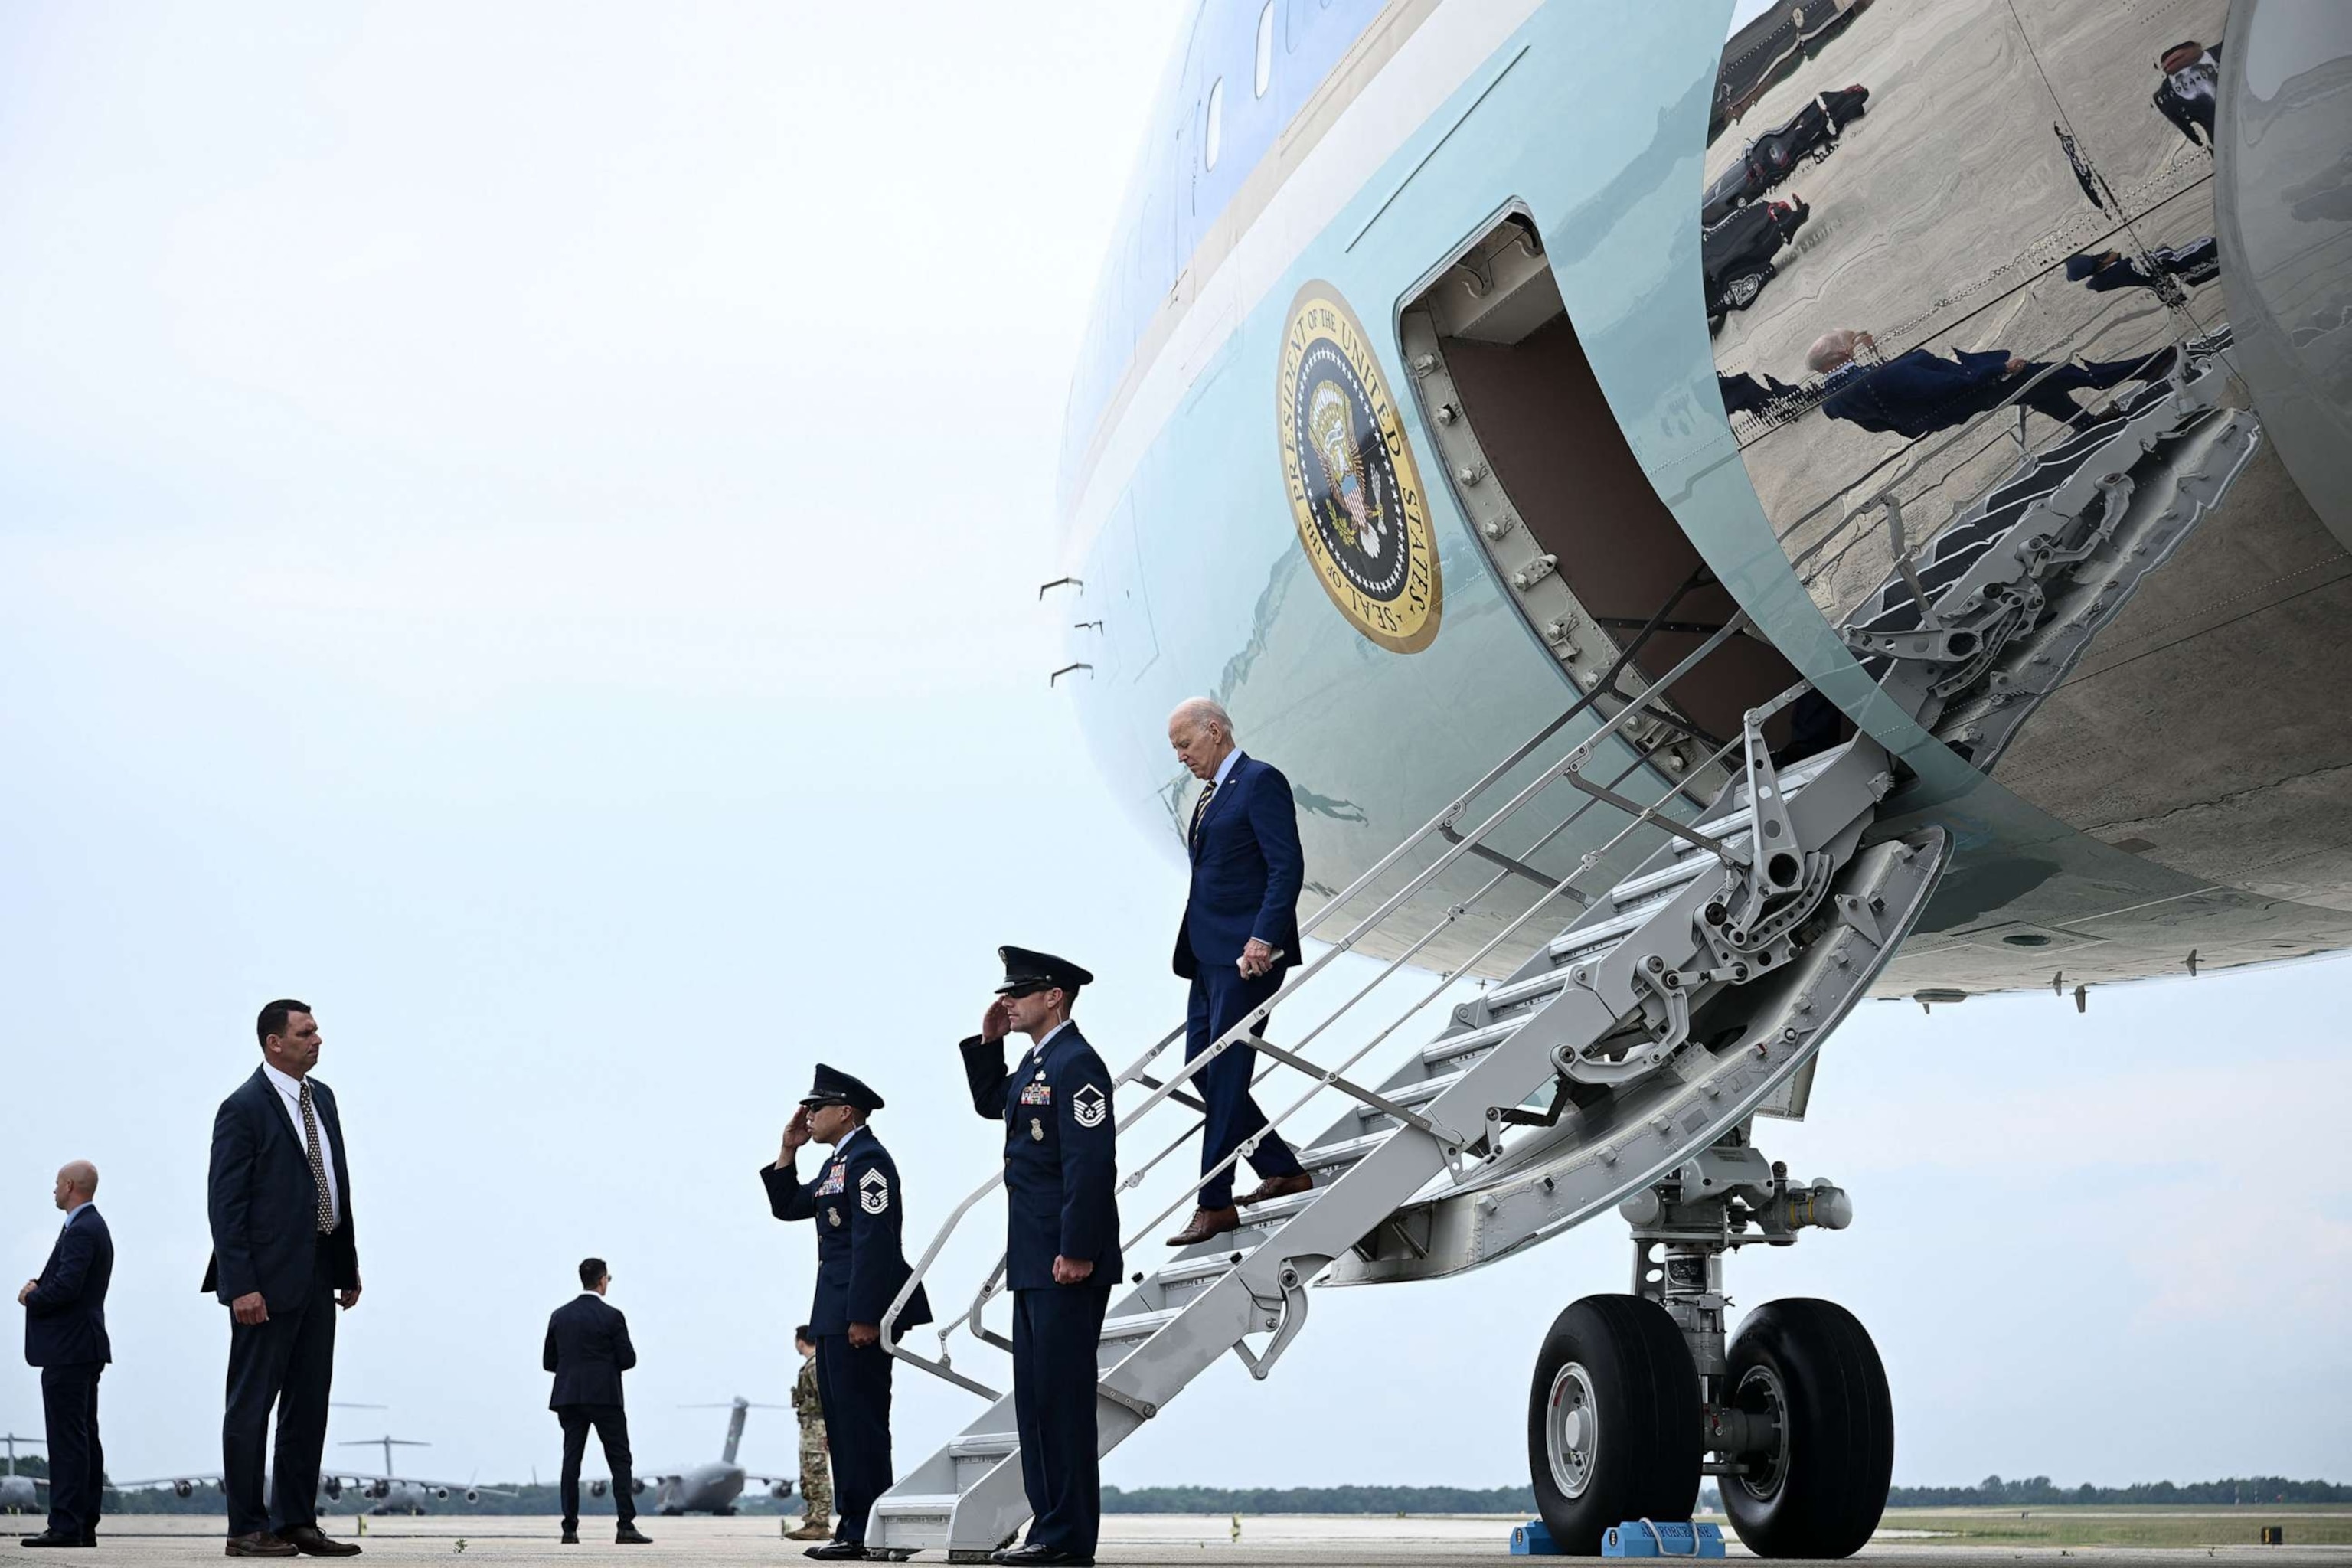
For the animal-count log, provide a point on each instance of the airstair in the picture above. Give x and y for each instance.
(1671, 1006)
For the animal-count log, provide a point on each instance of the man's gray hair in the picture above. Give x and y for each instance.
(1205, 711)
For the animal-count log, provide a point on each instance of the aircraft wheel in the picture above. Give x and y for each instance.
(1819, 1490)
(673, 1513)
(1612, 1420)
(728, 1512)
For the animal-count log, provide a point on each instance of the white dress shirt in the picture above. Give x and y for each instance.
(1036, 1053)
(289, 1089)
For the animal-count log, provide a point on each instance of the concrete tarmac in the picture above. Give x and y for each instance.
(1132, 1540)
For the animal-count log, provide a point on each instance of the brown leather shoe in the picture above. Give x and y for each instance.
(1277, 1187)
(311, 1541)
(1207, 1222)
(259, 1544)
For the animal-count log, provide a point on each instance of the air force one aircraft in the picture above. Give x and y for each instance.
(1928, 580)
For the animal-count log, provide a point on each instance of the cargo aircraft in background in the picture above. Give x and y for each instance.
(1965, 614)
(712, 1485)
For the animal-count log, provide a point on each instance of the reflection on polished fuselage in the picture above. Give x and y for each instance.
(1440, 346)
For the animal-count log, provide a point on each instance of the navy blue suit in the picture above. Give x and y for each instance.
(1918, 393)
(65, 1336)
(861, 1265)
(1246, 872)
(263, 1204)
(1061, 1176)
(588, 1349)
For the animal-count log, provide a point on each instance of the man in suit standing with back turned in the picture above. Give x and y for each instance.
(588, 1349)
(65, 1336)
(1239, 934)
(280, 1195)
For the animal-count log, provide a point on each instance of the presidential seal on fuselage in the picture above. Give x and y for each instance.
(1355, 491)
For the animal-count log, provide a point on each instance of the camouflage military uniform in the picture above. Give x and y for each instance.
(817, 1477)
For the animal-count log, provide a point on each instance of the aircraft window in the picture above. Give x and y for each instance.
(1212, 136)
(1265, 48)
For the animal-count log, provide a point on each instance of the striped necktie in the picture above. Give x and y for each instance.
(318, 1162)
(1199, 809)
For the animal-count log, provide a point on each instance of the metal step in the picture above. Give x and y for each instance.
(1693, 861)
(1198, 1268)
(917, 1513)
(975, 1454)
(1590, 941)
(1524, 991)
(1324, 1156)
(1138, 1325)
(1266, 1216)
(1453, 1046)
(1409, 1095)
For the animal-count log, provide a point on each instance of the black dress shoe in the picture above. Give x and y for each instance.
(259, 1543)
(629, 1535)
(1041, 1557)
(311, 1541)
(571, 1538)
(838, 1551)
(56, 1538)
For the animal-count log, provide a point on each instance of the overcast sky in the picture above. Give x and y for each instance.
(521, 527)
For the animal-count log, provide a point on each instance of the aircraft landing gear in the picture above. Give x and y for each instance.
(1609, 1434)
(1796, 1411)
(1807, 1377)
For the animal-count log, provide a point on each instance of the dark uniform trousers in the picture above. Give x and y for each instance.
(611, 1423)
(289, 1362)
(853, 1388)
(77, 1460)
(1055, 1333)
(1220, 998)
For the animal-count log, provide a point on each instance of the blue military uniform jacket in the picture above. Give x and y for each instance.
(858, 1207)
(1061, 1154)
(65, 1317)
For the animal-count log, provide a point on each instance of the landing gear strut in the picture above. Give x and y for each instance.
(1793, 1416)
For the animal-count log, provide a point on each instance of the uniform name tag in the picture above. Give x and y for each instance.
(1037, 1094)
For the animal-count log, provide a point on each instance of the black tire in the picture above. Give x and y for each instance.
(1622, 1361)
(1822, 1489)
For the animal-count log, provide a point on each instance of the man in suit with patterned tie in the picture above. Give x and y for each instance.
(861, 1265)
(588, 1349)
(283, 1260)
(1239, 935)
(65, 1336)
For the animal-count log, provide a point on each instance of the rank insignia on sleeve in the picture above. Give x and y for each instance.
(874, 1191)
(1089, 1105)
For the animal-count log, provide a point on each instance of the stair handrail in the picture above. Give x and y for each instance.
(1581, 752)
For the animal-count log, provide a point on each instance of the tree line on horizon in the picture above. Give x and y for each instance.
(1993, 1491)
